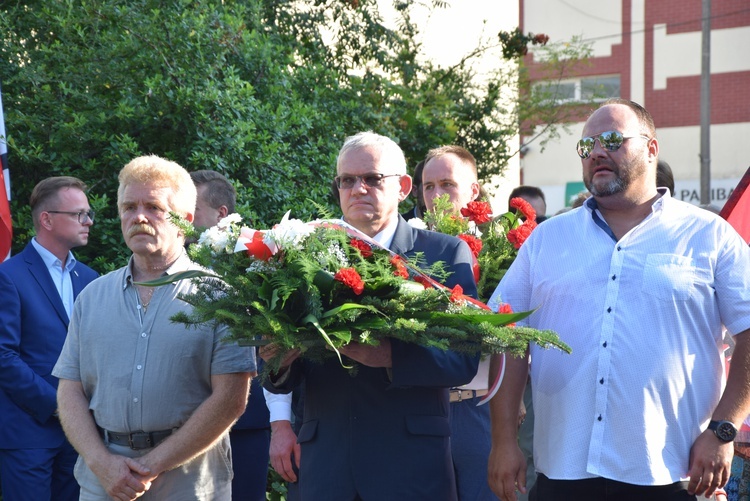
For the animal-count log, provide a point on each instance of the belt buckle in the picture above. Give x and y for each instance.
(140, 440)
(460, 395)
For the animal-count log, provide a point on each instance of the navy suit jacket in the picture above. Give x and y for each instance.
(256, 416)
(378, 433)
(33, 327)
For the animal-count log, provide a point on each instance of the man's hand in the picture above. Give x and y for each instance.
(271, 350)
(506, 471)
(283, 448)
(521, 414)
(371, 356)
(122, 477)
(710, 464)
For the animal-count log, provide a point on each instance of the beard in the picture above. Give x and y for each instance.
(624, 174)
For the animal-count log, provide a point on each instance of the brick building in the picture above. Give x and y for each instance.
(650, 51)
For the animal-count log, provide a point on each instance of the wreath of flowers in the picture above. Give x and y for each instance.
(494, 241)
(319, 285)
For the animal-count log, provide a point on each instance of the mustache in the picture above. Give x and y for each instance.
(141, 228)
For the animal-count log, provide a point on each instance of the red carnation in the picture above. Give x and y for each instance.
(519, 235)
(398, 263)
(363, 247)
(475, 268)
(457, 294)
(423, 280)
(474, 243)
(505, 308)
(350, 278)
(477, 212)
(525, 207)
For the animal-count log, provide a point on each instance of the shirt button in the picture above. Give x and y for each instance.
(135, 400)
(599, 418)
(614, 277)
(601, 381)
(605, 344)
(139, 367)
(609, 310)
(143, 334)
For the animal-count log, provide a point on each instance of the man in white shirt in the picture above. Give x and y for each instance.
(639, 285)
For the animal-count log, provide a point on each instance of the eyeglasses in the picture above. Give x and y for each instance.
(83, 215)
(372, 180)
(610, 140)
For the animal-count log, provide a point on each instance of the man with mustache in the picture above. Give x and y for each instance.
(37, 291)
(382, 432)
(147, 402)
(640, 285)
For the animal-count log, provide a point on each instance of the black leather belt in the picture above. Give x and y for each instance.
(136, 440)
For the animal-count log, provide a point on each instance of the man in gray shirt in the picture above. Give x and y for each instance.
(145, 401)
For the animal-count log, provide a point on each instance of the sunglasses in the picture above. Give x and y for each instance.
(610, 140)
(82, 216)
(347, 182)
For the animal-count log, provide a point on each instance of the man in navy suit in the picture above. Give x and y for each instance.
(37, 291)
(382, 433)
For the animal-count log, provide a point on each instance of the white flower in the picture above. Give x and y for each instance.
(288, 233)
(229, 220)
(261, 267)
(417, 223)
(333, 258)
(216, 238)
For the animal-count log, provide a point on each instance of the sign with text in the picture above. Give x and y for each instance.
(689, 190)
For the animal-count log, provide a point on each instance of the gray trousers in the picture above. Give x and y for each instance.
(207, 477)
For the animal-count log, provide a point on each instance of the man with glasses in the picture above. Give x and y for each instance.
(639, 284)
(37, 291)
(383, 432)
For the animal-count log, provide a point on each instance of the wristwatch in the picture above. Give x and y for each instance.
(724, 430)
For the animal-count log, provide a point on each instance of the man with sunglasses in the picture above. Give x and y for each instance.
(639, 284)
(382, 432)
(37, 290)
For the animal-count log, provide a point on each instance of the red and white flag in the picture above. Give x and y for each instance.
(736, 210)
(6, 226)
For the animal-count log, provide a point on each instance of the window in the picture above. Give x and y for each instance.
(584, 89)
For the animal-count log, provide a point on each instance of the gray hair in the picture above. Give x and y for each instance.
(393, 156)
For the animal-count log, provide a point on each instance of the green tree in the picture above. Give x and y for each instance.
(264, 91)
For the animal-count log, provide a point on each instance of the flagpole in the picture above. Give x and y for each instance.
(6, 225)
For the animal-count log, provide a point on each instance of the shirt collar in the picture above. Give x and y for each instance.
(52, 261)
(181, 264)
(385, 236)
(593, 208)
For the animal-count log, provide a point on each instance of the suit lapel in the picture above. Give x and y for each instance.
(76, 281)
(39, 271)
(403, 239)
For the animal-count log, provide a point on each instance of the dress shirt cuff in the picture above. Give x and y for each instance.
(279, 405)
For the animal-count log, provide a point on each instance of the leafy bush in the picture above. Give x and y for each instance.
(262, 91)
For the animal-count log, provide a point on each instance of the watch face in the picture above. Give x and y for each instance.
(726, 431)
